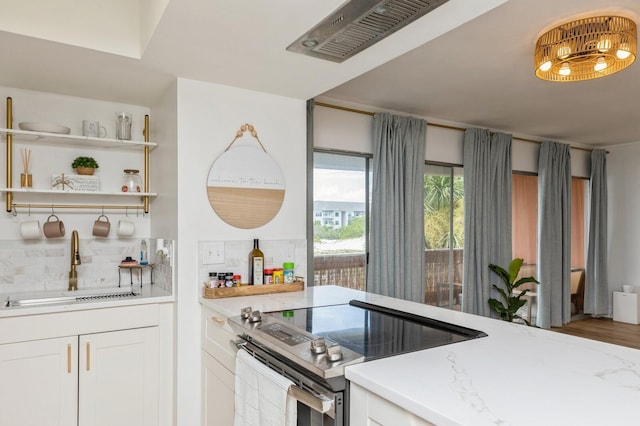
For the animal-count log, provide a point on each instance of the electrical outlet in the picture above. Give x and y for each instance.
(213, 253)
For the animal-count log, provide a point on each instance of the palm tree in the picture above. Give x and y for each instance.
(437, 206)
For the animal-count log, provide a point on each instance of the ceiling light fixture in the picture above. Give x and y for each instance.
(586, 49)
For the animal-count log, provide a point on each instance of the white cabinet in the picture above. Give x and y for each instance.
(368, 409)
(39, 382)
(625, 307)
(90, 380)
(118, 378)
(110, 366)
(218, 398)
(218, 368)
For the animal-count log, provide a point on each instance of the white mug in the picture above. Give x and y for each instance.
(126, 228)
(93, 129)
(30, 229)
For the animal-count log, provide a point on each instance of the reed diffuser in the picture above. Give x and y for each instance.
(26, 180)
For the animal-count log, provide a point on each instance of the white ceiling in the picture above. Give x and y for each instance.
(457, 64)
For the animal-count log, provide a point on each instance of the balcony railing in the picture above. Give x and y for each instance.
(345, 270)
(349, 270)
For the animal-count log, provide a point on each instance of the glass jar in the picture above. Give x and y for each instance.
(131, 181)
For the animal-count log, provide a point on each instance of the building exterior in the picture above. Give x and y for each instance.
(337, 214)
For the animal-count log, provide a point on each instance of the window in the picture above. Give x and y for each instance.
(525, 230)
(525, 221)
(340, 199)
(444, 235)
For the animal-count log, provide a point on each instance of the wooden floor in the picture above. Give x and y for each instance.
(604, 330)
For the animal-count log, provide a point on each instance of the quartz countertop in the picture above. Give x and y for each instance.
(517, 375)
(148, 294)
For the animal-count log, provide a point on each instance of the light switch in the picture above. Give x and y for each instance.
(212, 253)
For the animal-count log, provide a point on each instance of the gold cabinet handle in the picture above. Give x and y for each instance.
(88, 356)
(69, 358)
(218, 320)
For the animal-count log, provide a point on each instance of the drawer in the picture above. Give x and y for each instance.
(217, 338)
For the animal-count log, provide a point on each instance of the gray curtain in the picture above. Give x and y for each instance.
(554, 235)
(596, 292)
(487, 215)
(396, 257)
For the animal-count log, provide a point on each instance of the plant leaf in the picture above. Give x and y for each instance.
(503, 293)
(501, 272)
(524, 281)
(514, 268)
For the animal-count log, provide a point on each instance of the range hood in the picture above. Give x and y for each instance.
(358, 24)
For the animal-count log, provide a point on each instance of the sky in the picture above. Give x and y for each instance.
(338, 185)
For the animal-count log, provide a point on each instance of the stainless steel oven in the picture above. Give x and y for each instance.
(312, 347)
(318, 404)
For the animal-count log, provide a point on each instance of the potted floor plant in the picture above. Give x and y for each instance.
(85, 165)
(512, 300)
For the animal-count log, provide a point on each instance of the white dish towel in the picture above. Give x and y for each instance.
(261, 395)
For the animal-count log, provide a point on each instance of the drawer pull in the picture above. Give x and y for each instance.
(68, 358)
(88, 356)
(218, 320)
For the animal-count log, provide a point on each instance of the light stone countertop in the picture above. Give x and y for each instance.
(517, 375)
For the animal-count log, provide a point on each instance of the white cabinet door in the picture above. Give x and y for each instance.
(38, 382)
(118, 378)
(218, 398)
(368, 409)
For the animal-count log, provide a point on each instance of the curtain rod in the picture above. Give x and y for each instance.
(443, 126)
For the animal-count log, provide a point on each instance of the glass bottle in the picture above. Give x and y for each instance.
(131, 181)
(256, 265)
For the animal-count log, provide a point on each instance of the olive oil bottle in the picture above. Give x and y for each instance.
(256, 265)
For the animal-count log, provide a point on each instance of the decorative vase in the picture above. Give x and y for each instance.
(85, 170)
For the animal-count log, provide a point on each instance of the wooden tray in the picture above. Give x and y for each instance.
(251, 290)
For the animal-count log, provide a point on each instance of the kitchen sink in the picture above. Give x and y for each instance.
(69, 297)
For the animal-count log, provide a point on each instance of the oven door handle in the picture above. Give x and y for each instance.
(316, 401)
(319, 403)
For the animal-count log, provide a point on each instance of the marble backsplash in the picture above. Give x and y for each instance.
(235, 257)
(44, 265)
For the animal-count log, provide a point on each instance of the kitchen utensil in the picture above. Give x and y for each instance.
(101, 226)
(30, 229)
(93, 129)
(131, 181)
(123, 125)
(35, 126)
(53, 228)
(126, 228)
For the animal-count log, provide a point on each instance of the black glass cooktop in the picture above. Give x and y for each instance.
(374, 331)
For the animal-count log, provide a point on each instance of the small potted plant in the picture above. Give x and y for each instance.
(510, 294)
(85, 165)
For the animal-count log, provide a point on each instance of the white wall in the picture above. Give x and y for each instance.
(349, 131)
(209, 116)
(164, 167)
(164, 175)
